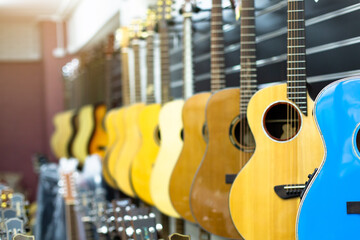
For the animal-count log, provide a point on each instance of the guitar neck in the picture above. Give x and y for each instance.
(150, 93)
(125, 76)
(165, 61)
(217, 47)
(137, 74)
(248, 76)
(296, 55)
(71, 222)
(188, 53)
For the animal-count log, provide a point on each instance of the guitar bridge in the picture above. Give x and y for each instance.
(293, 190)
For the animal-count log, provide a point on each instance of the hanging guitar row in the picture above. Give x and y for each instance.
(240, 163)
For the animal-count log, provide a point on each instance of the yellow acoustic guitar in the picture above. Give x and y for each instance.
(64, 133)
(170, 124)
(112, 134)
(119, 117)
(132, 132)
(149, 127)
(91, 137)
(288, 147)
(193, 117)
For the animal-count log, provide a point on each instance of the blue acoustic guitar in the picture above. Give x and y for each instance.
(330, 207)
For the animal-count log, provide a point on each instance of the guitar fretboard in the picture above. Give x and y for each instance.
(137, 75)
(296, 58)
(188, 57)
(125, 76)
(165, 61)
(217, 47)
(248, 76)
(150, 94)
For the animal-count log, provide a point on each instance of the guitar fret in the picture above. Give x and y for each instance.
(298, 68)
(296, 46)
(217, 45)
(297, 61)
(296, 75)
(248, 18)
(292, 87)
(247, 42)
(248, 9)
(296, 38)
(296, 54)
(295, 29)
(295, 20)
(296, 98)
(249, 26)
(249, 34)
(217, 31)
(297, 10)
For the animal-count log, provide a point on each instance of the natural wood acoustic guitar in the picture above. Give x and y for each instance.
(170, 124)
(64, 133)
(148, 124)
(110, 125)
(288, 147)
(91, 137)
(230, 144)
(193, 117)
(132, 132)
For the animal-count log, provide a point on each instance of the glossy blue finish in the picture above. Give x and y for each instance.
(322, 214)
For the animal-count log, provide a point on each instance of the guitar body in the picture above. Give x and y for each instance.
(91, 137)
(323, 210)
(55, 137)
(64, 132)
(86, 125)
(99, 139)
(171, 125)
(130, 148)
(209, 193)
(119, 128)
(143, 163)
(256, 210)
(193, 117)
(112, 136)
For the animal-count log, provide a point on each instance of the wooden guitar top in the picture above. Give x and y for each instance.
(170, 124)
(129, 150)
(193, 117)
(86, 124)
(257, 212)
(142, 165)
(119, 128)
(209, 197)
(99, 139)
(112, 136)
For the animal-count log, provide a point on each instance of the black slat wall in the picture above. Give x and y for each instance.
(332, 40)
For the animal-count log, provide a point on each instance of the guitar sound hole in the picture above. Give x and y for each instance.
(282, 121)
(358, 140)
(205, 133)
(157, 135)
(241, 136)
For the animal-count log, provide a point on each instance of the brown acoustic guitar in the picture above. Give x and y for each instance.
(193, 117)
(230, 142)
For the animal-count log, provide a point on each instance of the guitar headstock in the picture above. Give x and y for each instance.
(150, 22)
(122, 37)
(18, 204)
(188, 8)
(164, 10)
(13, 227)
(6, 196)
(67, 169)
(145, 227)
(136, 29)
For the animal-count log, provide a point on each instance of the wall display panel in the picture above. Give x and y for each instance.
(332, 41)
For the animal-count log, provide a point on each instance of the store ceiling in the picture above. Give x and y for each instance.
(36, 8)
